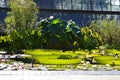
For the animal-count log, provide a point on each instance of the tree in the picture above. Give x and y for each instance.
(109, 30)
(20, 24)
(22, 16)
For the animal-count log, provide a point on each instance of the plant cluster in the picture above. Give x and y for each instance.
(53, 34)
(57, 33)
(24, 32)
(89, 39)
(109, 30)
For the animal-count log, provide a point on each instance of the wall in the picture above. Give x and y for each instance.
(80, 11)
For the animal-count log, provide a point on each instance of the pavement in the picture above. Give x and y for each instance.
(59, 75)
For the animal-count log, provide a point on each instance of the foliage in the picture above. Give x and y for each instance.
(20, 25)
(5, 42)
(22, 16)
(20, 40)
(57, 33)
(41, 52)
(25, 40)
(89, 40)
(109, 30)
(107, 60)
(65, 57)
(2, 29)
(112, 52)
(44, 56)
(58, 61)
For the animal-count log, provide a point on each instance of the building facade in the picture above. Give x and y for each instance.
(80, 11)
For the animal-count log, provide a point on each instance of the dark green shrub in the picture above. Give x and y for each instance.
(65, 57)
(57, 33)
(28, 39)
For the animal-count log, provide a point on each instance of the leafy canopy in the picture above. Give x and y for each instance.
(23, 15)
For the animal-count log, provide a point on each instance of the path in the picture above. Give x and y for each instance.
(59, 75)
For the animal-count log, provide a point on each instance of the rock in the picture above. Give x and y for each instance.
(13, 56)
(2, 66)
(78, 67)
(94, 66)
(87, 62)
(107, 65)
(82, 62)
(3, 52)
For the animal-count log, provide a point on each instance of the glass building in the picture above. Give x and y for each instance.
(80, 11)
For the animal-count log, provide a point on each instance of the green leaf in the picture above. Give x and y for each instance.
(56, 21)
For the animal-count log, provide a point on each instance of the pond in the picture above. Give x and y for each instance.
(18, 65)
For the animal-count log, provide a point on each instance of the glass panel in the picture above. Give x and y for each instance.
(96, 5)
(66, 4)
(46, 4)
(115, 8)
(86, 5)
(106, 5)
(115, 4)
(2, 3)
(76, 4)
(57, 4)
(38, 2)
(2, 15)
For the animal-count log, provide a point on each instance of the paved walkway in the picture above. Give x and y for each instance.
(59, 75)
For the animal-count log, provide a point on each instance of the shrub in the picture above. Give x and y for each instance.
(89, 40)
(5, 42)
(25, 40)
(20, 25)
(23, 15)
(57, 33)
(109, 30)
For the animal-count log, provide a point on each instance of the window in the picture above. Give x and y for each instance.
(115, 5)
(96, 5)
(106, 5)
(86, 5)
(57, 4)
(2, 3)
(76, 4)
(46, 4)
(66, 4)
(39, 3)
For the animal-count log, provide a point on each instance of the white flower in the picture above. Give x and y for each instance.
(51, 17)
